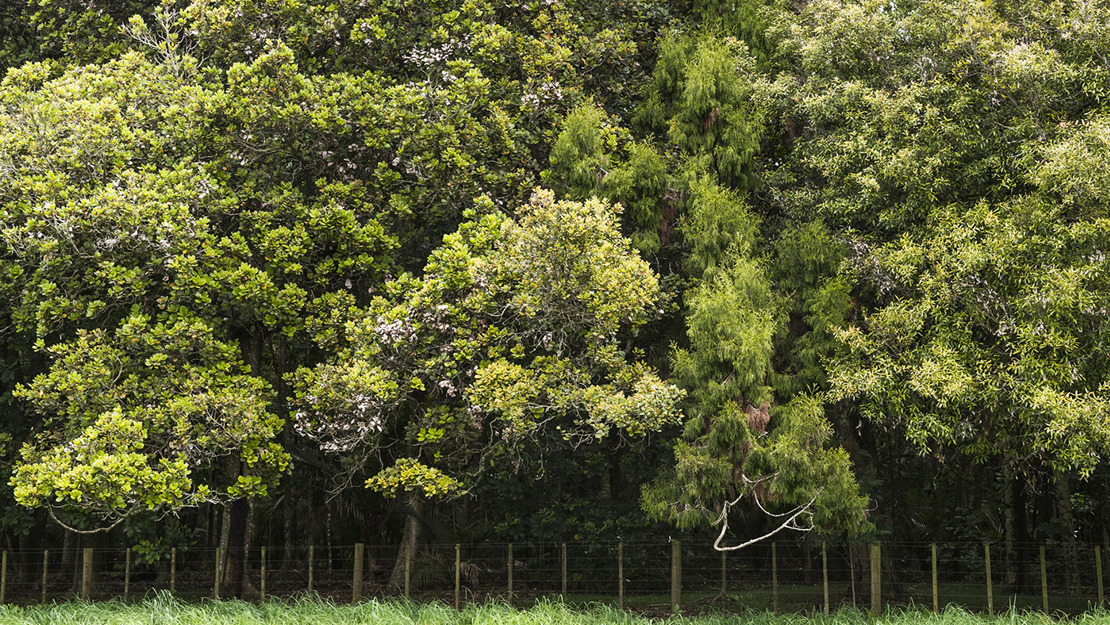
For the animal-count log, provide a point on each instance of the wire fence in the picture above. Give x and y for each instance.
(784, 576)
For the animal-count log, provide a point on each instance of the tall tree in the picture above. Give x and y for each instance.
(930, 139)
(512, 334)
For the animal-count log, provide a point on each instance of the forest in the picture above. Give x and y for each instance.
(409, 271)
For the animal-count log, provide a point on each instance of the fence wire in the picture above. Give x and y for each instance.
(787, 576)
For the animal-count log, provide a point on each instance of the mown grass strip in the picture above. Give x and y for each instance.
(163, 609)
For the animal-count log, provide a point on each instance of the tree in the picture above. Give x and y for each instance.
(141, 419)
(707, 106)
(511, 335)
(300, 154)
(124, 215)
(929, 139)
(91, 247)
(737, 446)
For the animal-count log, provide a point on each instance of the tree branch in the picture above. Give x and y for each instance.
(787, 524)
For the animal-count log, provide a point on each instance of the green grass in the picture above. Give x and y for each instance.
(162, 609)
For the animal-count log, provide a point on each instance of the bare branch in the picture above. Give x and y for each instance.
(50, 510)
(787, 524)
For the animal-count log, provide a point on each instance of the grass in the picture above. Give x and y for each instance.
(163, 609)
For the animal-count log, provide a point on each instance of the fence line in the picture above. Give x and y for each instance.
(780, 576)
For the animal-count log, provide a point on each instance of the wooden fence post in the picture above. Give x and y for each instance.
(173, 569)
(990, 586)
(774, 577)
(458, 572)
(676, 576)
(126, 574)
(510, 571)
(408, 569)
(311, 557)
(936, 596)
(216, 582)
(564, 560)
(620, 575)
(1098, 571)
(262, 576)
(852, 572)
(356, 581)
(876, 579)
(3, 577)
(86, 573)
(45, 562)
(1044, 582)
(825, 575)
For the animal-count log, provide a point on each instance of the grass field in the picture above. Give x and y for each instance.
(161, 609)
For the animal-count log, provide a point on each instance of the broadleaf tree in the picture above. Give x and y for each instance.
(513, 333)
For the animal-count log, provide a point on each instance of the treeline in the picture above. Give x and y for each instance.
(305, 272)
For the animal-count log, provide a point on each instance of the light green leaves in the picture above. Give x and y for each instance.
(510, 335)
(409, 475)
(152, 404)
(103, 470)
(567, 269)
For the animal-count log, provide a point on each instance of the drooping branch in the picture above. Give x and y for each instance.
(98, 530)
(789, 522)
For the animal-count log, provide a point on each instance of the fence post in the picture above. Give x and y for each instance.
(87, 573)
(356, 582)
(876, 579)
(311, 555)
(45, 562)
(676, 576)
(3, 577)
(774, 577)
(852, 572)
(936, 597)
(458, 572)
(620, 575)
(1098, 571)
(173, 569)
(216, 582)
(564, 559)
(1044, 582)
(510, 571)
(126, 575)
(825, 575)
(990, 586)
(408, 569)
(262, 576)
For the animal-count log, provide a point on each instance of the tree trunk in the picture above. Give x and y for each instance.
(860, 555)
(67, 555)
(235, 529)
(250, 591)
(409, 542)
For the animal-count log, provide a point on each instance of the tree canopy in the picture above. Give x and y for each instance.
(750, 269)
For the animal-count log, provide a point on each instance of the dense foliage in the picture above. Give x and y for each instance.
(319, 270)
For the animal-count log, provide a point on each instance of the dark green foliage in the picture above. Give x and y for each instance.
(851, 235)
(71, 32)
